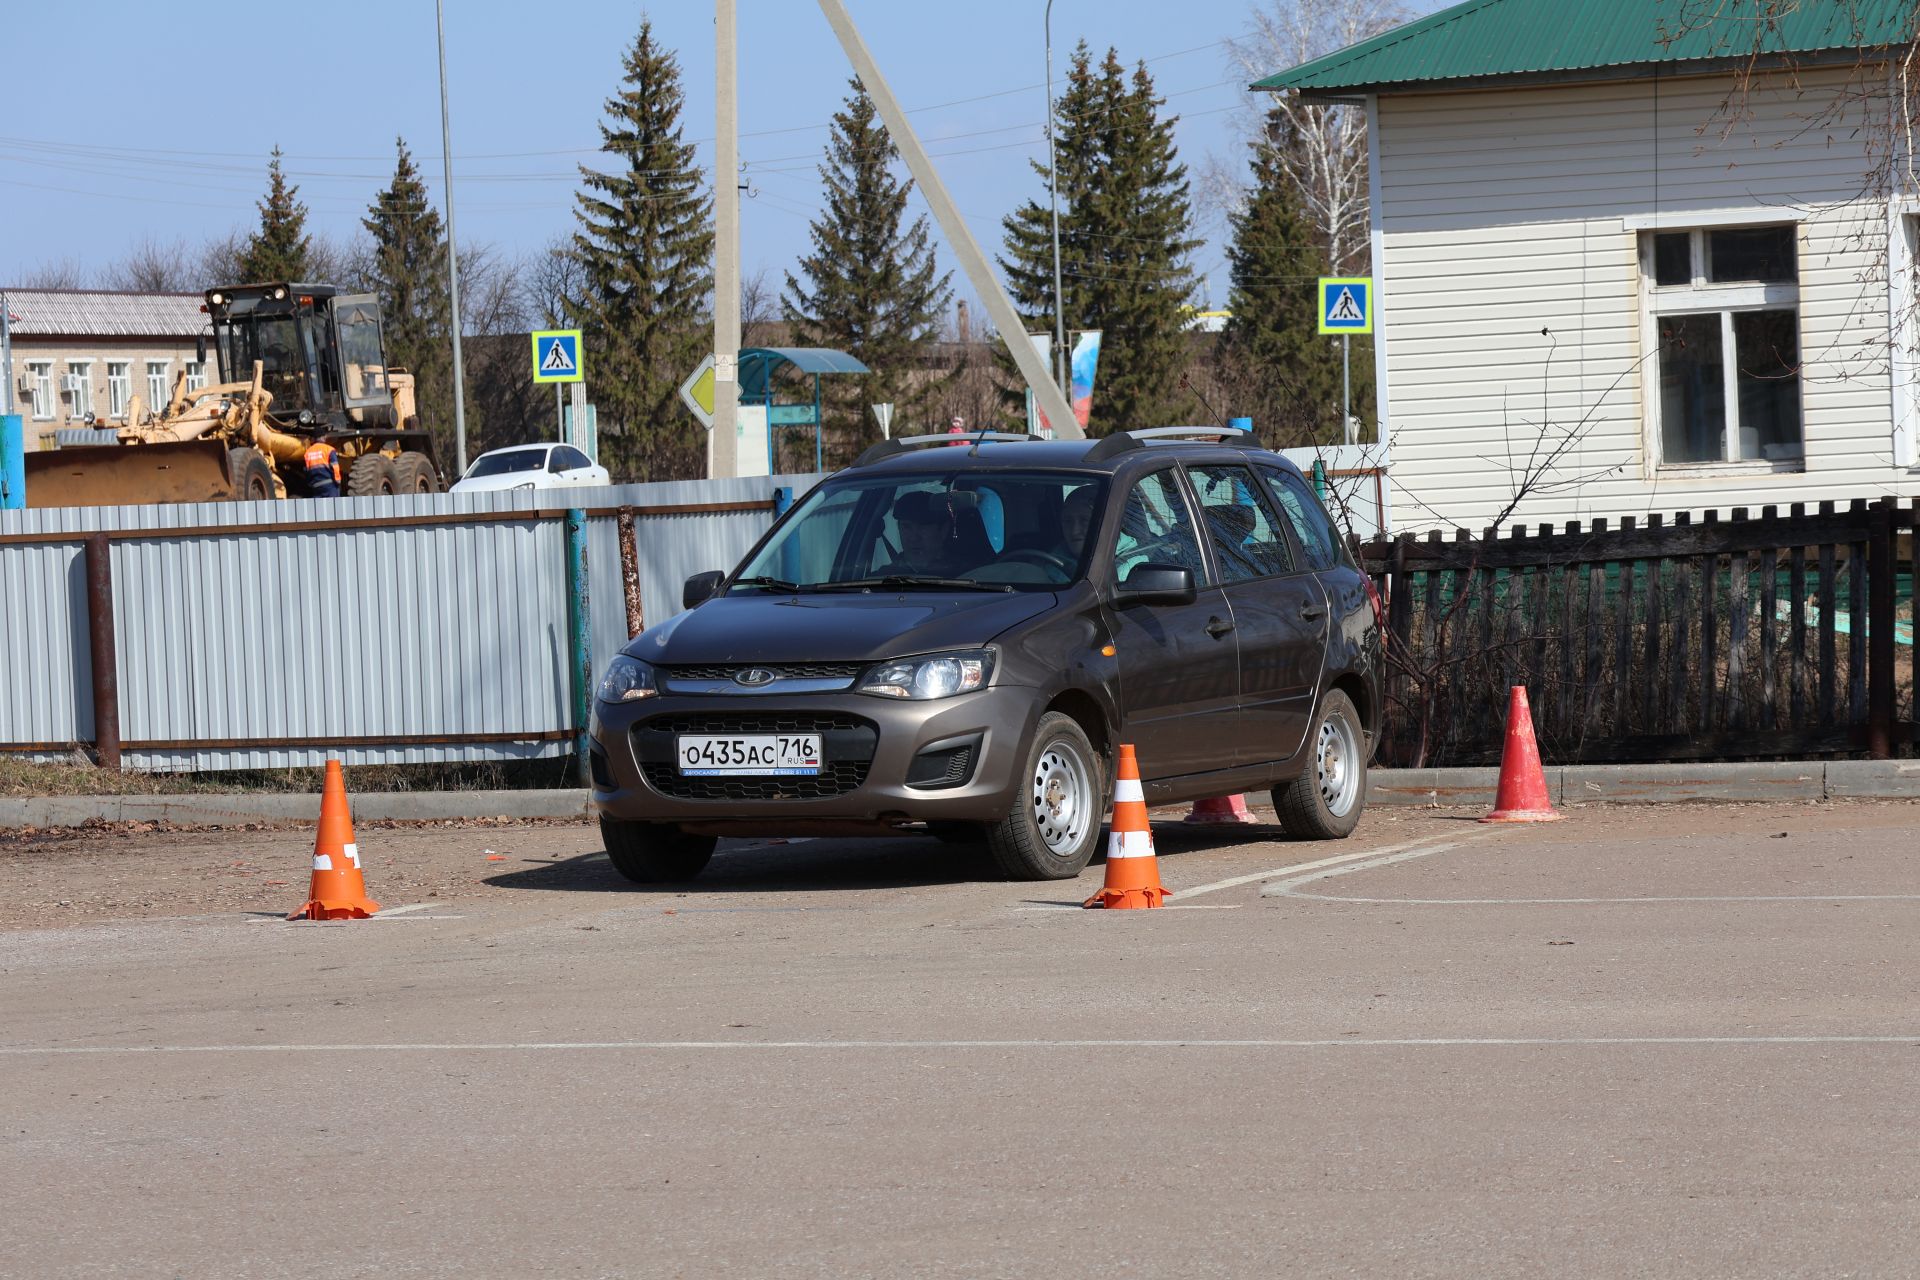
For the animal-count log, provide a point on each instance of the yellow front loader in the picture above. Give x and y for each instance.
(299, 365)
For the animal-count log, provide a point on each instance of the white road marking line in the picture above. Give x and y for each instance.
(1284, 888)
(562, 1046)
(390, 912)
(1297, 867)
(1581, 902)
(1191, 906)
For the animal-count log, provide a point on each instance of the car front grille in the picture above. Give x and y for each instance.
(847, 745)
(781, 670)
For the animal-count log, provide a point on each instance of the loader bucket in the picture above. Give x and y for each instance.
(114, 475)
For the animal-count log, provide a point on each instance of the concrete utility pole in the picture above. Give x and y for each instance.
(453, 260)
(723, 440)
(1052, 401)
(1060, 354)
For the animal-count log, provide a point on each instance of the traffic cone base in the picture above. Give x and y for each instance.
(1133, 872)
(338, 890)
(1523, 784)
(1221, 809)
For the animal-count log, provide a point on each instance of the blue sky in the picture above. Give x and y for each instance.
(128, 124)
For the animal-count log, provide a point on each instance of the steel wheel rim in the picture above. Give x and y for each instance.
(1337, 762)
(1062, 797)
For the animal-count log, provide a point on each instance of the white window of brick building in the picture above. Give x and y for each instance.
(40, 386)
(119, 389)
(1723, 324)
(79, 388)
(157, 391)
(196, 375)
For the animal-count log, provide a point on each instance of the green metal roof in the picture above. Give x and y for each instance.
(1489, 39)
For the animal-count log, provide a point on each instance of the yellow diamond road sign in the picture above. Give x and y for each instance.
(697, 393)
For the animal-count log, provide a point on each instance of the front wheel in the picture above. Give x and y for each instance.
(1324, 803)
(647, 853)
(1054, 823)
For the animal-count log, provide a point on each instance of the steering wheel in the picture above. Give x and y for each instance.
(1034, 555)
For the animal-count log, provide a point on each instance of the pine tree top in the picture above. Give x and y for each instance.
(279, 250)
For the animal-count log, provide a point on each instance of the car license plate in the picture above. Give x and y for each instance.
(766, 754)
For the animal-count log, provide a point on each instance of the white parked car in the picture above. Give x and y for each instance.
(530, 466)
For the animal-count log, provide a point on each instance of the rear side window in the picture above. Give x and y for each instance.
(1245, 540)
(1316, 533)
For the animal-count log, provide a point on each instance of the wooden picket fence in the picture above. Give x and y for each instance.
(1776, 636)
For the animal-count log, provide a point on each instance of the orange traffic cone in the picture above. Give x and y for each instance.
(1523, 786)
(1221, 809)
(338, 892)
(1133, 873)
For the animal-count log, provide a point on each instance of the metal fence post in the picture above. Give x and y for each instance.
(1880, 624)
(579, 647)
(101, 648)
(1320, 480)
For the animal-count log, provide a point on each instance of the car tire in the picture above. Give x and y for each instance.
(647, 853)
(252, 475)
(1050, 830)
(413, 473)
(1325, 802)
(371, 476)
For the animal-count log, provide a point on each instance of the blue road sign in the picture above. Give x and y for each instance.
(1346, 304)
(556, 356)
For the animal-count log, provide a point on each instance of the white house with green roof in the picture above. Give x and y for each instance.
(1639, 255)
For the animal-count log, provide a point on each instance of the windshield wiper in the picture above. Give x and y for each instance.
(778, 584)
(914, 580)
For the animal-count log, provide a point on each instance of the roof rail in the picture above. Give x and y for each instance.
(900, 444)
(1121, 441)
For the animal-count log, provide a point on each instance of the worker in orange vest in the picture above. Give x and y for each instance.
(323, 470)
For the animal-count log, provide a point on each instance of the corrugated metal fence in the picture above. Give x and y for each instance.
(381, 630)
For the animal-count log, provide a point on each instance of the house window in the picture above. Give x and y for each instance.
(1723, 310)
(40, 383)
(79, 388)
(196, 375)
(119, 389)
(157, 384)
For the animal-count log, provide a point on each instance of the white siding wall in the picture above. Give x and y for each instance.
(1509, 212)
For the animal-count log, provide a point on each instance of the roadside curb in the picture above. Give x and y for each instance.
(1427, 788)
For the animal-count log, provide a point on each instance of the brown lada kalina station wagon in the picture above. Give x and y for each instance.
(953, 635)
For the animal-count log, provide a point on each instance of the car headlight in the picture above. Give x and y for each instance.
(938, 675)
(627, 680)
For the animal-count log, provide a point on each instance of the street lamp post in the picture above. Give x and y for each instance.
(453, 260)
(1053, 187)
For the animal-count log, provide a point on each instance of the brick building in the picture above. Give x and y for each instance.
(81, 351)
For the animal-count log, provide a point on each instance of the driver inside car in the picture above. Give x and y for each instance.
(1076, 518)
(926, 524)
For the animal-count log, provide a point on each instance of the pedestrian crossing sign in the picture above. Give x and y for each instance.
(556, 356)
(1346, 304)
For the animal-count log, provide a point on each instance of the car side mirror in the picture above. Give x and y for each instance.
(700, 586)
(1157, 584)
(200, 347)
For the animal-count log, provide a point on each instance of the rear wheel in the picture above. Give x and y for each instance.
(647, 853)
(414, 473)
(1324, 803)
(371, 476)
(252, 475)
(1054, 823)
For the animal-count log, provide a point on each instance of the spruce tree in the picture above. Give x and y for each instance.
(408, 271)
(1124, 238)
(279, 249)
(1282, 372)
(645, 246)
(871, 286)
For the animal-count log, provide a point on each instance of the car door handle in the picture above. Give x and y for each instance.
(1312, 611)
(1217, 627)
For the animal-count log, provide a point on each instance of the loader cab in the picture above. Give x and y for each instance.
(320, 352)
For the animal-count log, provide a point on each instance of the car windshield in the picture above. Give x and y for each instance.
(507, 462)
(951, 531)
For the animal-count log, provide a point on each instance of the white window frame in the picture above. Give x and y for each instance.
(83, 396)
(119, 389)
(159, 373)
(1699, 297)
(196, 375)
(40, 387)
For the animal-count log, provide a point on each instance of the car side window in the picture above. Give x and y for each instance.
(1317, 537)
(1156, 527)
(1245, 540)
(557, 461)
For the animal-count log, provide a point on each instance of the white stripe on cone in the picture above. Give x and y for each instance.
(322, 862)
(1125, 789)
(1130, 844)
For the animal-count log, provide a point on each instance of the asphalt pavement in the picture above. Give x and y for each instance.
(1677, 1041)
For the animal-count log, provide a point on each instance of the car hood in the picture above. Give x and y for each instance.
(834, 628)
